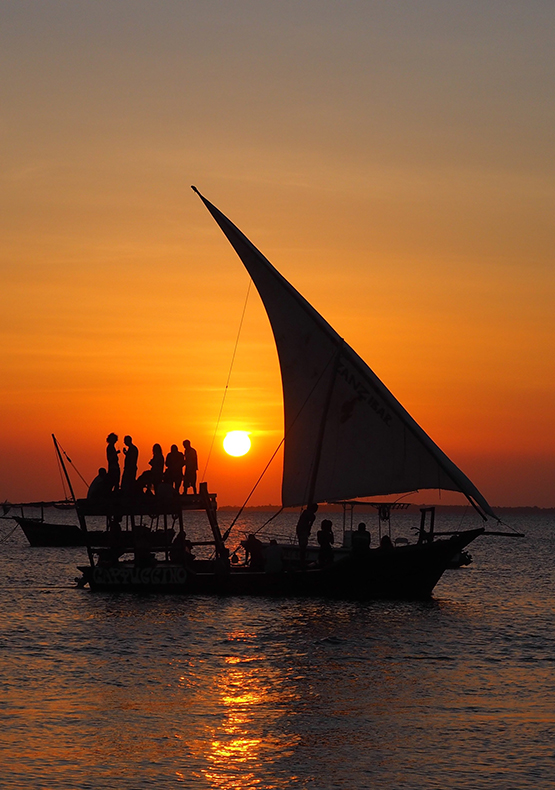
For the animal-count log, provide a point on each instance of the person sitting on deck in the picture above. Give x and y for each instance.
(100, 488)
(386, 544)
(325, 541)
(181, 549)
(254, 553)
(174, 467)
(151, 479)
(360, 540)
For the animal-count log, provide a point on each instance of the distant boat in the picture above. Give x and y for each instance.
(42, 534)
(346, 436)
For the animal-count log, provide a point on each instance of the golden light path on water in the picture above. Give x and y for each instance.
(246, 688)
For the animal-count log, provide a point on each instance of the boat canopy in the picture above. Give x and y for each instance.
(346, 435)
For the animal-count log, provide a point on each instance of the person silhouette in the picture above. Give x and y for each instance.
(191, 467)
(113, 462)
(150, 479)
(325, 541)
(99, 489)
(254, 553)
(360, 540)
(181, 549)
(129, 475)
(174, 467)
(156, 464)
(304, 525)
(386, 544)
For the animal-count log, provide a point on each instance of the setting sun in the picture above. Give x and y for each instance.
(237, 443)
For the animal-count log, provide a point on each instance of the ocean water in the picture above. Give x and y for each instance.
(121, 691)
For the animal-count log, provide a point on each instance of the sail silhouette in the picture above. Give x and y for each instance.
(346, 435)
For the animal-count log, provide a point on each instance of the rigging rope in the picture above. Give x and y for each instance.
(268, 521)
(236, 549)
(5, 537)
(68, 459)
(253, 489)
(62, 477)
(463, 516)
(227, 382)
(243, 506)
(509, 526)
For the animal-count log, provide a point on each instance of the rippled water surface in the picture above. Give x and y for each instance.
(118, 691)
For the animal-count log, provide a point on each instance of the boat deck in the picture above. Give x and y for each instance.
(146, 505)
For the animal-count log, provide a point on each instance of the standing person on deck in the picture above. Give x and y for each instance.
(113, 462)
(191, 467)
(174, 467)
(129, 476)
(304, 525)
(156, 464)
(325, 541)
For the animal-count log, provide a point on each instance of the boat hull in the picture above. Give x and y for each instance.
(43, 534)
(407, 572)
(40, 533)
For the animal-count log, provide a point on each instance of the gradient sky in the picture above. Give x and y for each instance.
(394, 160)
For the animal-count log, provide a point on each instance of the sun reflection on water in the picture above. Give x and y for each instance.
(249, 694)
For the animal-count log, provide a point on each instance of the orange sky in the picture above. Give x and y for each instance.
(393, 160)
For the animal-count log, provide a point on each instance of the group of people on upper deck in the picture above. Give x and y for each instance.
(175, 470)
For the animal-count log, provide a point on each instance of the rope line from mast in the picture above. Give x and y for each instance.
(253, 489)
(68, 459)
(243, 506)
(276, 514)
(268, 520)
(228, 380)
(64, 487)
(9, 534)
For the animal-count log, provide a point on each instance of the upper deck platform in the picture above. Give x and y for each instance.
(144, 505)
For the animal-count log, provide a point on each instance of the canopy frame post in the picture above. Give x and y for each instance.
(423, 536)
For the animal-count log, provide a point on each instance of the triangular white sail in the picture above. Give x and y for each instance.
(346, 435)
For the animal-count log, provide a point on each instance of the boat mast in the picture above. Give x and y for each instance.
(81, 518)
(57, 447)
